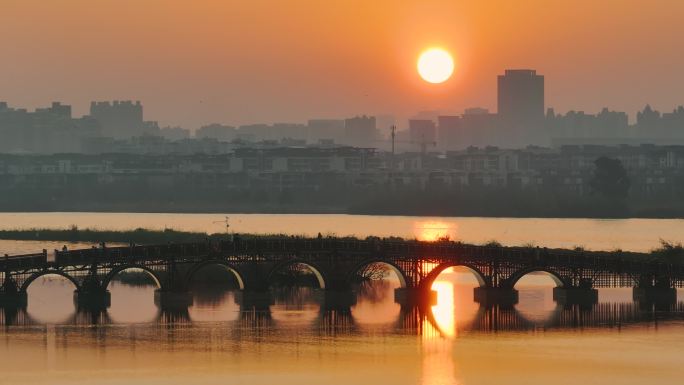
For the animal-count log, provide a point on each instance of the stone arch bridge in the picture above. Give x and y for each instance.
(335, 263)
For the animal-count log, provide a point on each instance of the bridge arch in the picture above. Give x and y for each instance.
(435, 272)
(401, 275)
(36, 275)
(229, 268)
(108, 278)
(317, 271)
(516, 276)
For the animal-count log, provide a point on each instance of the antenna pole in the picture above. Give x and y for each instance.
(393, 134)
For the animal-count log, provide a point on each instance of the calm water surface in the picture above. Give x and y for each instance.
(296, 341)
(596, 234)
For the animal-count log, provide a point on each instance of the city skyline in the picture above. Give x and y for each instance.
(401, 121)
(360, 60)
(521, 120)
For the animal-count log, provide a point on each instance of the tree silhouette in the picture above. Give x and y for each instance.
(610, 178)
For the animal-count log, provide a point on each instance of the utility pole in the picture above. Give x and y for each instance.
(393, 134)
(225, 221)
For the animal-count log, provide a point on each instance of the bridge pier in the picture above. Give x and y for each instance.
(174, 315)
(92, 299)
(167, 299)
(336, 299)
(495, 296)
(575, 295)
(655, 295)
(254, 300)
(413, 296)
(17, 299)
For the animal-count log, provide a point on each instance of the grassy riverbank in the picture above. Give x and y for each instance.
(74, 234)
(671, 252)
(139, 236)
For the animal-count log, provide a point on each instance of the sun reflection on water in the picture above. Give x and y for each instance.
(434, 230)
(438, 367)
(443, 311)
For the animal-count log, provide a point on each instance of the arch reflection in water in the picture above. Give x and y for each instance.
(214, 304)
(215, 293)
(295, 306)
(375, 284)
(411, 320)
(294, 289)
(51, 299)
(375, 305)
(535, 295)
(132, 296)
(455, 303)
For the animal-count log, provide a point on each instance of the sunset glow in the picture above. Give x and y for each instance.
(443, 311)
(433, 230)
(364, 192)
(435, 65)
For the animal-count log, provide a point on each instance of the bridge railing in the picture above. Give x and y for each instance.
(616, 261)
(23, 261)
(132, 254)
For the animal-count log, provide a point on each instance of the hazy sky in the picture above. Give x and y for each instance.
(200, 61)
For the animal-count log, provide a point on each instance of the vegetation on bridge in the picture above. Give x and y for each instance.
(668, 252)
(74, 234)
(138, 236)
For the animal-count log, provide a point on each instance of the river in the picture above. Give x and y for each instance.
(296, 341)
(592, 234)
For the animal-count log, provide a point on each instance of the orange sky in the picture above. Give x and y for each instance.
(202, 61)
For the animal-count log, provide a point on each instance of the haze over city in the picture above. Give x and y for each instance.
(406, 192)
(202, 62)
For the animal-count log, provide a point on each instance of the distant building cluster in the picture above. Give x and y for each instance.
(45, 130)
(54, 130)
(520, 120)
(653, 170)
(359, 131)
(613, 128)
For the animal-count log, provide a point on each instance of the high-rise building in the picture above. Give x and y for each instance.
(120, 119)
(520, 102)
(450, 132)
(44, 131)
(360, 131)
(521, 96)
(325, 129)
(422, 131)
(479, 127)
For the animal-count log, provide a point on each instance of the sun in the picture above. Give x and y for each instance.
(435, 65)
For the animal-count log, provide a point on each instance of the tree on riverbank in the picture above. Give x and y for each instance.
(610, 179)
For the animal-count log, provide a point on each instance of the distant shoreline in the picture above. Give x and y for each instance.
(670, 252)
(75, 234)
(137, 236)
(162, 209)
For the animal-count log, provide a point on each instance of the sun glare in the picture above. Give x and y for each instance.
(435, 65)
(432, 231)
(443, 311)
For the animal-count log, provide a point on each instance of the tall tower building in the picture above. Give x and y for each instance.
(521, 96)
(521, 106)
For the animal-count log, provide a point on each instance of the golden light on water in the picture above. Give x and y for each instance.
(434, 230)
(443, 311)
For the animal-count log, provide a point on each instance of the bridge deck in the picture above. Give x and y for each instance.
(255, 259)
